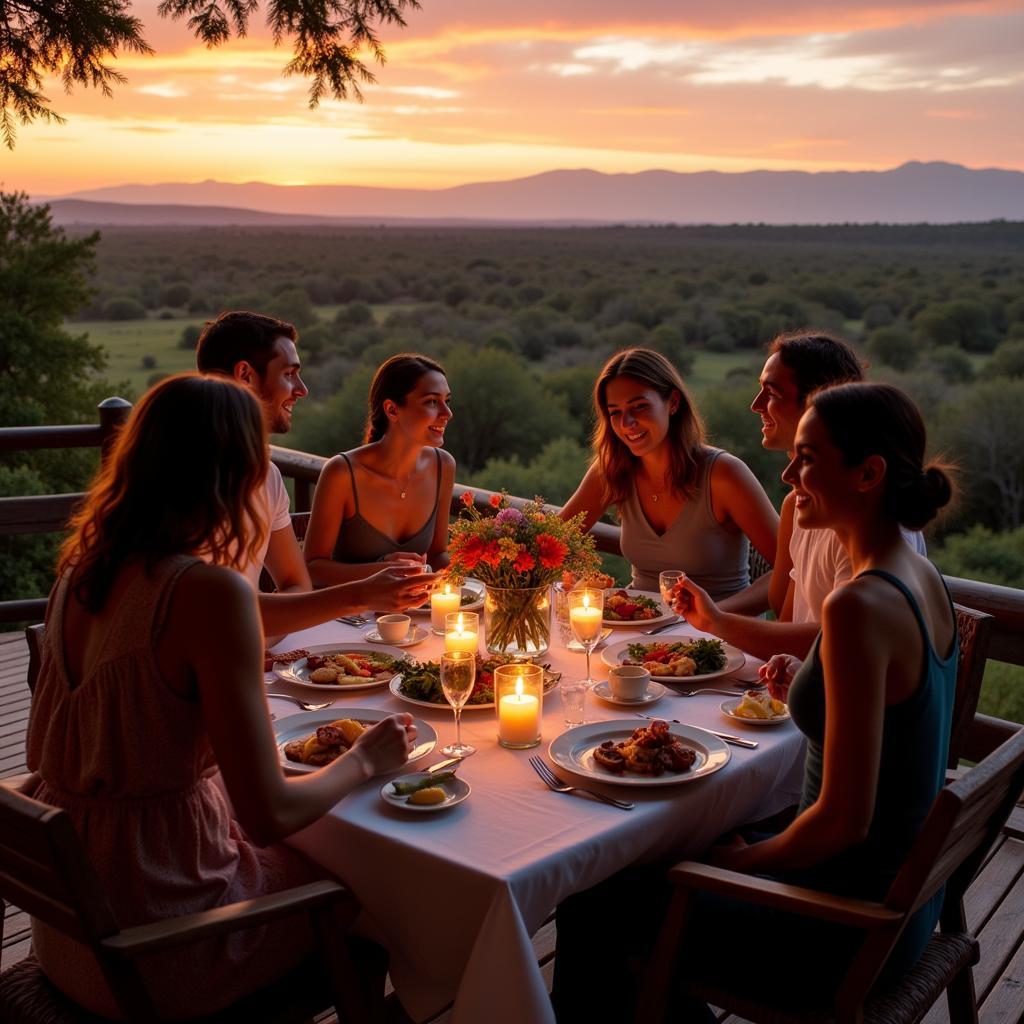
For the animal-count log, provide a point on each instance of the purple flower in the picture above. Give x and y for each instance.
(509, 517)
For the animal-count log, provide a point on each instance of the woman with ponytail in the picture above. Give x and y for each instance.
(874, 699)
(387, 500)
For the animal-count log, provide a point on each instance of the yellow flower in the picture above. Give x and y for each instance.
(509, 549)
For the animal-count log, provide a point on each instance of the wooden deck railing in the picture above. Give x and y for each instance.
(50, 513)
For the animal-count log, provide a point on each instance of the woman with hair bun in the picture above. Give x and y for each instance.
(874, 699)
(682, 504)
(387, 500)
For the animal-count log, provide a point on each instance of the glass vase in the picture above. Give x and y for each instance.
(517, 620)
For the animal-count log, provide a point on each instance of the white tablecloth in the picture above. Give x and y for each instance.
(457, 895)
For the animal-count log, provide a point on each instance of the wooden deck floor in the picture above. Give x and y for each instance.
(995, 906)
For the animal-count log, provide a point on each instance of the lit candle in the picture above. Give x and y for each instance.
(441, 604)
(586, 620)
(461, 632)
(519, 718)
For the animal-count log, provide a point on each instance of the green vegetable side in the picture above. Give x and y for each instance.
(422, 680)
(708, 655)
(408, 788)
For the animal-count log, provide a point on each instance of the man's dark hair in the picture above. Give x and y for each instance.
(237, 336)
(817, 360)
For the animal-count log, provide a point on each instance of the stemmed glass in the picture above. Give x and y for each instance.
(586, 613)
(458, 672)
(666, 583)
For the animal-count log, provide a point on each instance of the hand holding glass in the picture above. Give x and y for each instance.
(458, 672)
(586, 611)
(666, 584)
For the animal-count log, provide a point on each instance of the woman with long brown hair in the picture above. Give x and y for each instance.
(682, 504)
(387, 500)
(151, 680)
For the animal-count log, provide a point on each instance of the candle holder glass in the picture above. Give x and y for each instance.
(517, 620)
(462, 631)
(518, 703)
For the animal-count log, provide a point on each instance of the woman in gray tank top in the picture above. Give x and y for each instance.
(681, 504)
(387, 500)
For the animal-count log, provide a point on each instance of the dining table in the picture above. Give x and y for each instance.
(457, 895)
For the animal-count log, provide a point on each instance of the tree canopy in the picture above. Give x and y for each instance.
(74, 40)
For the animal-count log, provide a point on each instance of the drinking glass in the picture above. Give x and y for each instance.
(666, 581)
(586, 612)
(458, 672)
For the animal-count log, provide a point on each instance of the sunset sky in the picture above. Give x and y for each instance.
(488, 89)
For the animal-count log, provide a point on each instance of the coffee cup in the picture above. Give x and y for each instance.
(628, 682)
(393, 628)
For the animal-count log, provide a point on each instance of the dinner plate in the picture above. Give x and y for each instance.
(729, 710)
(469, 586)
(456, 789)
(615, 654)
(416, 635)
(574, 751)
(550, 682)
(665, 616)
(297, 726)
(297, 674)
(654, 692)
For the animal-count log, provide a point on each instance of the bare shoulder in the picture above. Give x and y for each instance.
(729, 471)
(447, 460)
(865, 601)
(205, 584)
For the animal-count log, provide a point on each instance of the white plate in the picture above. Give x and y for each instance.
(729, 710)
(665, 616)
(574, 751)
(469, 586)
(297, 674)
(417, 635)
(456, 791)
(295, 727)
(550, 682)
(615, 654)
(654, 692)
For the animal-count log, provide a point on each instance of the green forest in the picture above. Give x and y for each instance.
(522, 319)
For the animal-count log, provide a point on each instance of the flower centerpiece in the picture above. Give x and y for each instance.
(518, 554)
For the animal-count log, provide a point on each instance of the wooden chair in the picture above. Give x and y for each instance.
(44, 871)
(974, 629)
(960, 829)
(300, 523)
(34, 639)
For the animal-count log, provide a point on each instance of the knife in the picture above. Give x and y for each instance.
(441, 765)
(661, 629)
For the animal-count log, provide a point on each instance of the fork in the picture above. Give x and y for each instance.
(353, 620)
(697, 693)
(304, 704)
(553, 782)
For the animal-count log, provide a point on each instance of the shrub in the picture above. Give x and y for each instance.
(124, 307)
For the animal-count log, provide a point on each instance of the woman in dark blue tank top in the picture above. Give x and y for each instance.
(874, 697)
(388, 500)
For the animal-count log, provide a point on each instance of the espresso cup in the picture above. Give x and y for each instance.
(628, 682)
(393, 628)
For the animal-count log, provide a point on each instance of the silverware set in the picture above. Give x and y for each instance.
(554, 783)
(353, 620)
(304, 704)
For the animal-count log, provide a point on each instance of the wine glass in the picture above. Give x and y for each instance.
(586, 614)
(458, 672)
(666, 583)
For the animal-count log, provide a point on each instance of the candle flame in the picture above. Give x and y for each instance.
(459, 627)
(447, 588)
(519, 687)
(586, 600)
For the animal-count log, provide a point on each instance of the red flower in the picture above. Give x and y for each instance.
(524, 561)
(467, 499)
(551, 551)
(470, 552)
(491, 554)
(495, 500)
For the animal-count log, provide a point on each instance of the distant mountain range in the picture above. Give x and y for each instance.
(939, 193)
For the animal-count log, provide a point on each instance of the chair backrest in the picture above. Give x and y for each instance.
(300, 523)
(34, 638)
(44, 870)
(974, 630)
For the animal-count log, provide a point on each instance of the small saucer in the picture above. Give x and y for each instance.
(417, 634)
(655, 691)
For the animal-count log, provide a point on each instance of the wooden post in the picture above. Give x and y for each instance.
(113, 413)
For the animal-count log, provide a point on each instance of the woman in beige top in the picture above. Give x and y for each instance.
(150, 682)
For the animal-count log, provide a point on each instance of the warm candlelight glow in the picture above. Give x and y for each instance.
(518, 692)
(586, 619)
(443, 603)
(461, 632)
